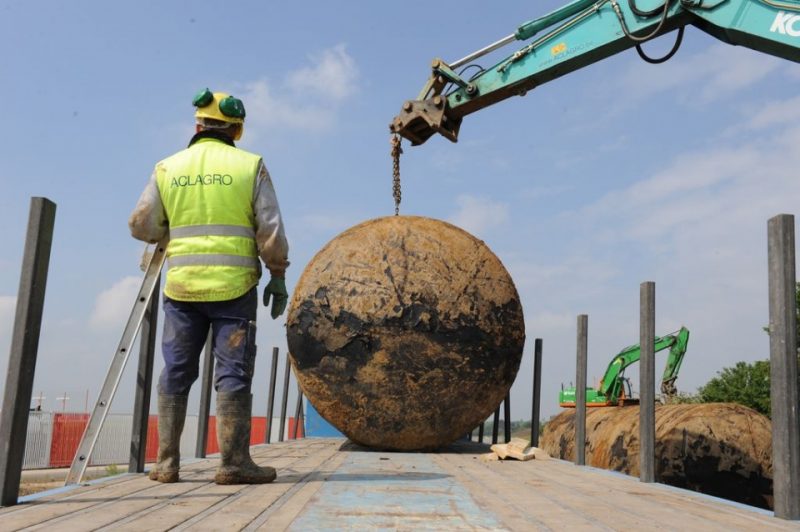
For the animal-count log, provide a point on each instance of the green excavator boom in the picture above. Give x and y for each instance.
(612, 392)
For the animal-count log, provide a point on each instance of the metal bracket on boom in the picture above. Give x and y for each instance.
(419, 119)
(101, 408)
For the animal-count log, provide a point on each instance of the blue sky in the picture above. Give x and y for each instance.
(616, 174)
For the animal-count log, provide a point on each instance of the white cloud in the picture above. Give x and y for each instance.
(692, 172)
(479, 215)
(333, 75)
(718, 70)
(777, 113)
(573, 270)
(699, 189)
(308, 99)
(269, 109)
(328, 223)
(698, 228)
(113, 306)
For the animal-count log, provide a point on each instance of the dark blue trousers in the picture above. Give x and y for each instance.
(233, 332)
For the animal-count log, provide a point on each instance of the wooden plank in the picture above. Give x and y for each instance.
(387, 491)
(649, 501)
(238, 513)
(68, 493)
(172, 513)
(515, 513)
(112, 511)
(168, 512)
(653, 502)
(597, 502)
(103, 498)
(83, 498)
(517, 509)
(533, 495)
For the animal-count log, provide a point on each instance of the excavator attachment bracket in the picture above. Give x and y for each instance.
(420, 119)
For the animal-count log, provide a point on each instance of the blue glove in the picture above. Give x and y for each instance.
(276, 288)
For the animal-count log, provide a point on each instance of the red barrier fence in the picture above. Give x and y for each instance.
(68, 429)
(151, 446)
(67, 432)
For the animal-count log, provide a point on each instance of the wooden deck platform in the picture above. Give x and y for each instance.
(328, 484)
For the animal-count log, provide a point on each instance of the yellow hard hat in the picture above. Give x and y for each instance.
(220, 106)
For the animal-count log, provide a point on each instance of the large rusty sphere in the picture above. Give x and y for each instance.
(405, 332)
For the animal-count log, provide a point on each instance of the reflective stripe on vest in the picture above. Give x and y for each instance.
(212, 230)
(212, 259)
(207, 192)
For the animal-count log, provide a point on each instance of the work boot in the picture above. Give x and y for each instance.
(233, 436)
(171, 416)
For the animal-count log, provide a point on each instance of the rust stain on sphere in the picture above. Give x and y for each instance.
(405, 332)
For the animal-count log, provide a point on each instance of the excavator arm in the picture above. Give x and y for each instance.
(676, 352)
(610, 391)
(611, 385)
(579, 34)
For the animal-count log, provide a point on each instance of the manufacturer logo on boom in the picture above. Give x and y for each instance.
(786, 24)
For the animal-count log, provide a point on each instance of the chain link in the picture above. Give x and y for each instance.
(396, 151)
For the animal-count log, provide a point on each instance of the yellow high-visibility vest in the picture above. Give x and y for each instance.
(207, 192)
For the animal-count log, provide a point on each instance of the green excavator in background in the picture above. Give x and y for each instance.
(612, 387)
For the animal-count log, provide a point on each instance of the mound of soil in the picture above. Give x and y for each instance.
(721, 449)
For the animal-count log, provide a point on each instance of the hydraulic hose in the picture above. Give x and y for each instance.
(659, 60)
(646, 14)
(633, 37)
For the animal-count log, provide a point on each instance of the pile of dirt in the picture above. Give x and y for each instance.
(720, 449)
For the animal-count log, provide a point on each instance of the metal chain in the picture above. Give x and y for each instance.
(396, 151)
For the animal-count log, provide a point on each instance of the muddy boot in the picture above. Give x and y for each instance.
(233, 436)
(171, 416)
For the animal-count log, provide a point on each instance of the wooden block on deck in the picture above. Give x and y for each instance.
(518, 449)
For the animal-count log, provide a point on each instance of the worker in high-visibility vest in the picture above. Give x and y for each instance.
(218, 206)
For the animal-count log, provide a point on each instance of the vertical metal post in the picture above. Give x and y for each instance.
(495, 424)
(783, 367)
(24, 346)
(301, 419)
(298, 412)
(580, 389)
(204, 410)
(647, 382)
(144, 384)
(285, 398)
(480, 431)
(273, 373)
(507, 417)
(537, 392)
